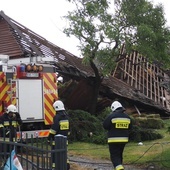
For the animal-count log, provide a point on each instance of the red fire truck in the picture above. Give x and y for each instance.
(30, 84)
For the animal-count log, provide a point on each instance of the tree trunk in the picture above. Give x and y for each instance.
(96, 87)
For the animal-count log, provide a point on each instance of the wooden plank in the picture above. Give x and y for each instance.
(161, 91)
(140, 71)
(162, 94)
(167, 95)
(136, 71)
(137, 110)
(132, 68)
(158, 86)
(144, 76)
(125, 69)
(147, 87)
(128, 69)
(128, 74)
(150, 80)
(154, 84)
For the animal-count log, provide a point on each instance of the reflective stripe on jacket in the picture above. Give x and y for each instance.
(117, 124)
(118, 139)
(13, 123)
(8, 125)
(60, 125)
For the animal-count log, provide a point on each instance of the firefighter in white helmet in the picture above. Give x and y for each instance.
(118, 124)
(9, 123)
(60, 123)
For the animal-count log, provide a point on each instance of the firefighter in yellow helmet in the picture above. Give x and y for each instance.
(118, 124)
(60, 123)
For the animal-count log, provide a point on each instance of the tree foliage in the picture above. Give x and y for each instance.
(144, 28)
(103, 27)
(91, 23)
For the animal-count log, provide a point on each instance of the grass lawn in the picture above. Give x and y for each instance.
(155, 152)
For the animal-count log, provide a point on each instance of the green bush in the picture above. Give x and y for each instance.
(143, 129)
(89, 128)
(99, 139)
(85, 127)
(138, 134)
(149, 123)
(155, 123)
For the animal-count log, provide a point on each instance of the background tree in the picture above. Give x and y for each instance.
(144, 28)
(102, 27)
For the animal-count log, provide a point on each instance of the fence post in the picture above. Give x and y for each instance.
(61, 157)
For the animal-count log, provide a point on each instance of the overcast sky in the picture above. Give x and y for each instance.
(45, 18)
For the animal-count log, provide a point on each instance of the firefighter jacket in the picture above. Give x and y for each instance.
(118, 124)
(8, 125)
(60, 125)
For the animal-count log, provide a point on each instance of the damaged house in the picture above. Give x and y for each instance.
(144, 86)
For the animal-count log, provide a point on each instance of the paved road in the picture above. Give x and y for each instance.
(97, 164)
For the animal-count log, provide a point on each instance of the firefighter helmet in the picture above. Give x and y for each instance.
(11, 108)
(115, 105)
(58, 105)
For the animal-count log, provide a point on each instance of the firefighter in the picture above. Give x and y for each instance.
(9, 123)
(118, 124)
(60, 125)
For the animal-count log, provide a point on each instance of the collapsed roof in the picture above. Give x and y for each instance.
(133, 79)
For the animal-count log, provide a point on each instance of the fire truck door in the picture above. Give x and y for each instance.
(30, 99)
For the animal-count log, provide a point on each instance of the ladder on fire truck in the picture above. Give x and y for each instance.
(13, 91)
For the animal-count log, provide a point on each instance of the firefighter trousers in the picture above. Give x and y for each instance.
(116, 153)
(53, 159)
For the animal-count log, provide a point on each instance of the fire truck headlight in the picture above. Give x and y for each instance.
(35, 68)
(28, 67)
(40, 68)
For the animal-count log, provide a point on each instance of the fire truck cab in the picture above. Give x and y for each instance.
(30, 84)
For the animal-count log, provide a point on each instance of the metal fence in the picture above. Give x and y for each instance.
(36, 153)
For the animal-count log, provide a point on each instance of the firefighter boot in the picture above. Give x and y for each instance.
(119, 167)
